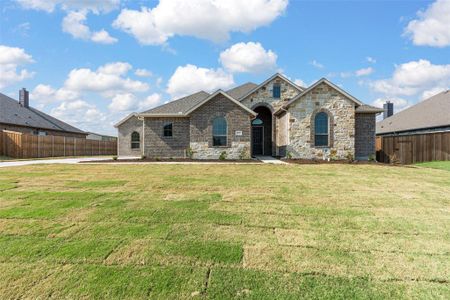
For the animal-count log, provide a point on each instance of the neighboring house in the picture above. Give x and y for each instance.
(428, 116)
(19, 116)
(100, 137)
(276, 118)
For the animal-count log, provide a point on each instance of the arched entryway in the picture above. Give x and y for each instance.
(262, 131)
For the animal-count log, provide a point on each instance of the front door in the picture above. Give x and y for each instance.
(258, 140)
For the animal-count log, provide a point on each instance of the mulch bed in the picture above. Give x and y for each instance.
(243, 161)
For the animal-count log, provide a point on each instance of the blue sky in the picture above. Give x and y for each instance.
(93, 62)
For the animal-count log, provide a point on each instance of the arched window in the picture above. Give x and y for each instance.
(219, 131)
(135, 140)
(321, 129)
(168, 129)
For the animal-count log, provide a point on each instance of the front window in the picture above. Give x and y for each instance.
(135, 140)
(219, 132)
(276, 91)
(321, 130)
(168, 129)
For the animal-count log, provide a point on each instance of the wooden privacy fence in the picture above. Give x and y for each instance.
(408, 149)
(21, 145)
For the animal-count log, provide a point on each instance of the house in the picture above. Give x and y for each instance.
(21, 117)
(276, 118)
(417, 134)
(100, 137)
(427, 116)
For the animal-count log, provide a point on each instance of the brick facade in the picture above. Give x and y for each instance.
(124, 137)
(156, 145)
(201, 130)
(365, 136)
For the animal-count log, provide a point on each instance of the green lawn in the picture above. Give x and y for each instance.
(224, 232)
(443, 165)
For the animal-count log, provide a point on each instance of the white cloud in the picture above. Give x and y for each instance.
(433, 91)
(103, 37)
(190, 79)
(207, 19)
(150, 102)
(371, 59)
(143, 73)
(364, 71)
(123, 102)
(108, 80)
(46, 94)
(80, 113)
(432, 28)
(248, 57)
(74, 24)
(316, 64)
(413, 78)
(10, 60)
(300, 83)
(102, 6)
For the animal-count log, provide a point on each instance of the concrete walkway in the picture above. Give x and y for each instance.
(271, 160)
(18, 163)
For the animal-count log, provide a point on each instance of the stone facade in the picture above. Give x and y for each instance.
(124, 137)
(238, 146)
(265, 95)
(365, 136)
(156, 145)
(341, 112)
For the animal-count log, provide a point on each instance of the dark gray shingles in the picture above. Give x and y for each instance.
(241, 90)
(178, 106)
(12, 113)
(433, 112)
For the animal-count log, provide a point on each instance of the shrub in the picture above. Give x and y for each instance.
(349, 156)
(190, 152)
(114, 157)
(223, 155)
(289, 155)
(143, 156)
(372, 157)
(245, 153)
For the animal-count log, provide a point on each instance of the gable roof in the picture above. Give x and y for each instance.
(368, 109)
(326, 81)
(11, 112)
(125, 119)
(226, 96)
(269, 80)
(241, 90)
(177, 107)
(430, 113)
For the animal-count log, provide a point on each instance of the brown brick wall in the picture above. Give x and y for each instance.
(365, 126)
(157, 145)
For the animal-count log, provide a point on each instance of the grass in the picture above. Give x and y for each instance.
(443, 165)
(225, 232)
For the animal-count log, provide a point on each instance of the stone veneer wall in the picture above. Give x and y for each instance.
(124, 133)
(264, 94)
(238, 147)
(156, 145)
(365, 136)
(343, 115)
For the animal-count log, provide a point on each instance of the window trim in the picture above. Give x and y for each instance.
(221, 135)
(135, 142)
(327, 134)
(171, 130)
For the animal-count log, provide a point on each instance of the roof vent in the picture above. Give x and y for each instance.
(24, 98)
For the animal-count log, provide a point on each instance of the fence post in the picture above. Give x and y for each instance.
(39, 145)
(64, 146)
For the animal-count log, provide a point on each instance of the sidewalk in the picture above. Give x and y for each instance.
(18, 163)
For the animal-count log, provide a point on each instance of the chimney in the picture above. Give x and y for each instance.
(24, 100)
(388, 109)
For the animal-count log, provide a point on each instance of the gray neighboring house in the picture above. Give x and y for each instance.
(100, 137)
(428, 116)
(21, 117)
(274, 118)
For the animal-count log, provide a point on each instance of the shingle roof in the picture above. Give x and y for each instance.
(368, 109)
(12, 113)
(430, 113)
(180, 106)
(241, 90)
